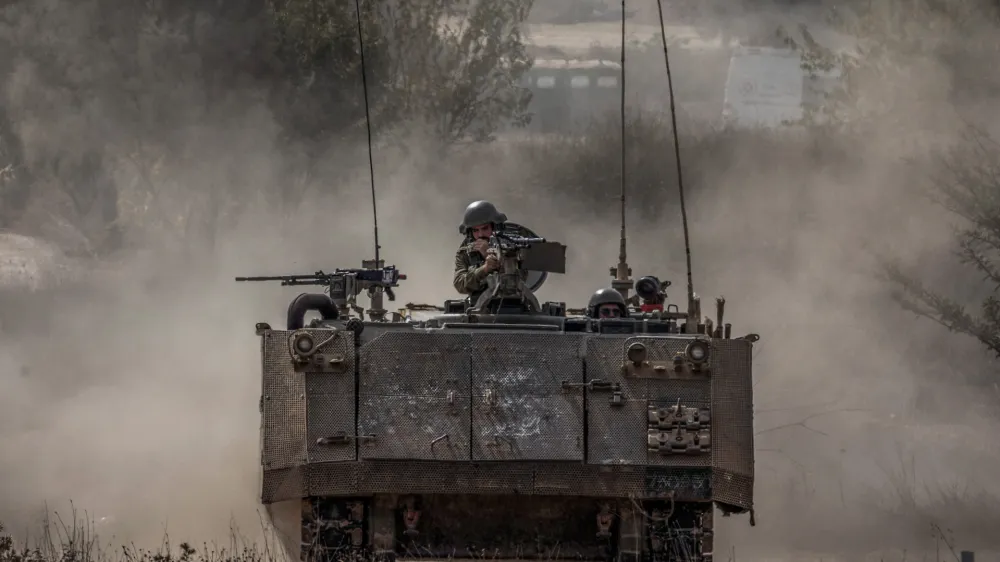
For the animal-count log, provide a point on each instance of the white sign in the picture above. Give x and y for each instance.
(763, 87)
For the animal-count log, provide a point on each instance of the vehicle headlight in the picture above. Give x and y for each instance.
(697, 351)
(304, 343)
(636, 353)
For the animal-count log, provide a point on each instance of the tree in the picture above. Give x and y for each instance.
(970, 189)
(51, 91)
(913, 64)
(315, 53)
(13, 183)
(140, 91)
(935, 44)
(424, 63)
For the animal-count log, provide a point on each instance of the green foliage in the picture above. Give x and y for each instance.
(424, 64)
(109, 118)
(316, 42)
(478, 77)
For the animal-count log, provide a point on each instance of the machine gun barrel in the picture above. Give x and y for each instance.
(289, 280)
(384, 277)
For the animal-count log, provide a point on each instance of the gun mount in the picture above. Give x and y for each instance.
(343, 286)
(507, 283)
(518, 249)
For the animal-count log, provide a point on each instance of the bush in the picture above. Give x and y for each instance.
(102, 122)
(587, 168)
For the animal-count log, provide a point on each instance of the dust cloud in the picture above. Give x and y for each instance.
(136, 393)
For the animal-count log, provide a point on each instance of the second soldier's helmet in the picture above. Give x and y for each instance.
(606, 295)
(480, 212)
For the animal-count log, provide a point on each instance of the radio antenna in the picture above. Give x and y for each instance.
(368, 124)
(377, 311)
(622, 281)
(680, 178)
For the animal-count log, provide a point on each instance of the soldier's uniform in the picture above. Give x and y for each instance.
(470, 271)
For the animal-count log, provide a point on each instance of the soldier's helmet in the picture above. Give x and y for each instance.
(606, 295)
(481, 212)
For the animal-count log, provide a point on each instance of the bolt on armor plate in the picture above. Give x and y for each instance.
(455, 397)
(440, 413)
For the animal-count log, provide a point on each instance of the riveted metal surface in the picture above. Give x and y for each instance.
(507, 528)
(598, 481)
(434, 477)
(283, 405)
(331, 428)
(664, 393)
(332, 478)
(414, 396)
(623, 481)
(490, 478)
(732, 405)
(330, 402)
(683, 484)
(442, 405)
(617, 432)
(732, 489)
(282, 484)
(520, 407)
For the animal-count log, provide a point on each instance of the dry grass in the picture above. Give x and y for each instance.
(76, 540)
(949, 508)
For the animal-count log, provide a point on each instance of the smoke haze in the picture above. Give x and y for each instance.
(135, 393)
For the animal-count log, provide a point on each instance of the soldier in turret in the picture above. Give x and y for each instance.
(475, 260)
(607, 303)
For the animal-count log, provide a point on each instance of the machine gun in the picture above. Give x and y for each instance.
(506, 243)
(506, 282)
(344, 285)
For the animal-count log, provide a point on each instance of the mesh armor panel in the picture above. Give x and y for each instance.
(497, 412)
(618, 429)
(732, 407)
(301, 407)
(414, 396)
(442, 477)
(521, 410)
(283, 406)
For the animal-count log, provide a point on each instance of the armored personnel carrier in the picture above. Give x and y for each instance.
(499, 426)
(503, 428)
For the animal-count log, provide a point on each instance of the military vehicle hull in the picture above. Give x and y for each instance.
(554, 438)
